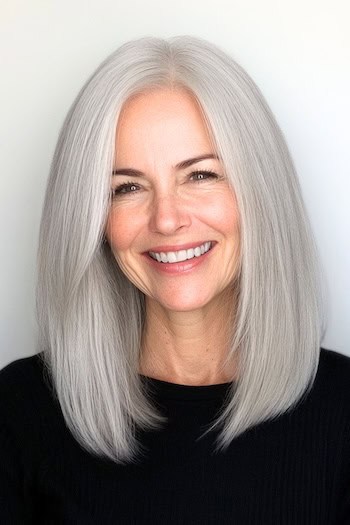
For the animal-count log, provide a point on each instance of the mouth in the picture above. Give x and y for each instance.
(171, 257)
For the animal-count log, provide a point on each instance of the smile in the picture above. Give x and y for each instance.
(181, 255)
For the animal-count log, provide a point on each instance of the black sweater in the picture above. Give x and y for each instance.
(291, 471)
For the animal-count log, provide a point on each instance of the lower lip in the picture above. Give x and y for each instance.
(180, 267)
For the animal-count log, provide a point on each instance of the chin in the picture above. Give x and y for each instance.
(183, 302)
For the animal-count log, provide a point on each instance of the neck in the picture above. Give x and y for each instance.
(188, 348)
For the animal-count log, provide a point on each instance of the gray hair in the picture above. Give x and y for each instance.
(91, 317)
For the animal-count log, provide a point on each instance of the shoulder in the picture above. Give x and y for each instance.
(24, 388)
(334, 365)
(333, 377)
(24, 371)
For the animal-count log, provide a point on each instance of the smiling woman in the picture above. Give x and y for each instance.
(179, 377)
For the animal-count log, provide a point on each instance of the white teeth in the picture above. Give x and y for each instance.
(181, 255)
(172, 257)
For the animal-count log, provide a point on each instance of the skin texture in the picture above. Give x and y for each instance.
(190, 308)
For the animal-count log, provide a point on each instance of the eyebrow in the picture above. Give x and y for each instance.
(180, 166)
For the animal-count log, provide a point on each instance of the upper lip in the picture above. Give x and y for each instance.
(178, 247)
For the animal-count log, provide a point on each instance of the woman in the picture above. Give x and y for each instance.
(179, 377)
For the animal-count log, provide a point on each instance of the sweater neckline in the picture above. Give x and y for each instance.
(167, 390)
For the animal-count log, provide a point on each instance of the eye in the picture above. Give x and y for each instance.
(125, 188)
(202, 175)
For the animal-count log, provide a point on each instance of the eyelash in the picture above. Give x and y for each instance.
(119, 189)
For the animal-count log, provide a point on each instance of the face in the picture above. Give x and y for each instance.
(173, 225)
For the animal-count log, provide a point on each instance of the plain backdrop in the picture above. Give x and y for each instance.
(298, 52)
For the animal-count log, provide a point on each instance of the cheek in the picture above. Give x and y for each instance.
(121, 231)
(223, 213)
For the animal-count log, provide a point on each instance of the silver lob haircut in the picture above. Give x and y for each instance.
(91, 317)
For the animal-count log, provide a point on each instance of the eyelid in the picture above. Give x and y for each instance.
(117, 189)
(206, 171)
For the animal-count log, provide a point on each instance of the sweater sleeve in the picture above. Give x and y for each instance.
(15, 506)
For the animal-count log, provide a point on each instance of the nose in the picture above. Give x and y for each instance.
(168, 215)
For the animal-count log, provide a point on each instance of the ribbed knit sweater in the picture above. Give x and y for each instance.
(294, 470)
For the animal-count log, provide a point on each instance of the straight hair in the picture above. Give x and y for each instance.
(91, 317)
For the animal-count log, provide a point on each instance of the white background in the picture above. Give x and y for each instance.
(298, 52)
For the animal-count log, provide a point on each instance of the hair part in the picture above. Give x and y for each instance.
(91, 317)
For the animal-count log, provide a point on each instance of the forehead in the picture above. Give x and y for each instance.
(162, 121)
(160, 99)
(162, 114)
